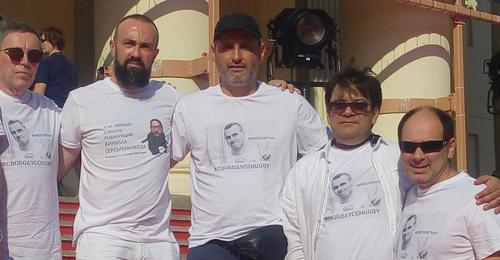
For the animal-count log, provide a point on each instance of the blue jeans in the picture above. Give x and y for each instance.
(264, 243)
(210, 251)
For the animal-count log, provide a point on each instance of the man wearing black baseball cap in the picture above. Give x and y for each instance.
(237, 21)
(236, 209)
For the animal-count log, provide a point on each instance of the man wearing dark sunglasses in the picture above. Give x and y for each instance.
(314, 221)
(31, 226)
(450, 224)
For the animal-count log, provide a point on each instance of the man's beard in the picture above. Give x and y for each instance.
(136, 77)
(238, 80)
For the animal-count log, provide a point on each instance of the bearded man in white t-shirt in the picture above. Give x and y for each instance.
(124, 200)
(320, 226)
(29, 224)
(450, 224)
(236, 213)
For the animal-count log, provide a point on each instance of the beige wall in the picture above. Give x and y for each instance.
(60, 13)
(44, 13)
(408, 47)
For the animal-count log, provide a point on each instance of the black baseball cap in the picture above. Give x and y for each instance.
(237, 21)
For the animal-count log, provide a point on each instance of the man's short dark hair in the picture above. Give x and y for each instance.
(238, 21)
(411, 217)
(360, 80)
(19, 27)
(11, 122)
(155, 120)
(444, 118)
(55, 36)
(139, 17)
(233, 124)
(340, 175)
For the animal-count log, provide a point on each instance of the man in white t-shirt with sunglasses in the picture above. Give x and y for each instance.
(319, 226)
(450, 225)
(29, 224)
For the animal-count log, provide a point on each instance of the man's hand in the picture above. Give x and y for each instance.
(284, 85)
(491, 194)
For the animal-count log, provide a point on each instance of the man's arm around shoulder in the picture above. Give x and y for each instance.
(67, 158)
(40, 88)
(490, 196)
(494, 256)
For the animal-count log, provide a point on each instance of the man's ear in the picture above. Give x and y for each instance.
(212, 50)
(157, 50)
(263, 49)
(452, 146)
(112, 49)
(376, 112)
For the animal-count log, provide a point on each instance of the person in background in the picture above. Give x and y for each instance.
(56, 76)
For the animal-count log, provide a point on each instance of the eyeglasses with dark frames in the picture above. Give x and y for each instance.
(357, 107)
(426, 147)
(17, 54)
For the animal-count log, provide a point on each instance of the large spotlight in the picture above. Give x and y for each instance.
(492, 68)
(302, 34)
(3, 21)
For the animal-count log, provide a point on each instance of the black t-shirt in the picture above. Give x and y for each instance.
(59, 74)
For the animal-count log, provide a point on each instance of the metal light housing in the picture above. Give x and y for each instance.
(302, 34)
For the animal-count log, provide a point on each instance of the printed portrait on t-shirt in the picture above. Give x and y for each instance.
(240, 146)
(28, 142)
(413, 237)
(28, 145)
(20, 134)
(408, 230)
(352, 197)
(342, 187)
(125, 137)
(235, 138)
(156, 137)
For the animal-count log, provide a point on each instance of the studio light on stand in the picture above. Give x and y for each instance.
(3, 21)
(491, 67)
(304, 35)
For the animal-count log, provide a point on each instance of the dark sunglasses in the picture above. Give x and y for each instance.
(426, 147)
(17, 54)
(339, 106)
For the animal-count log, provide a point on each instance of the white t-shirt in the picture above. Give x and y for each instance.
(444, 222)
(356, 224)
(31, 125)
(231, 196)
(123, 184)
(3, 193)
